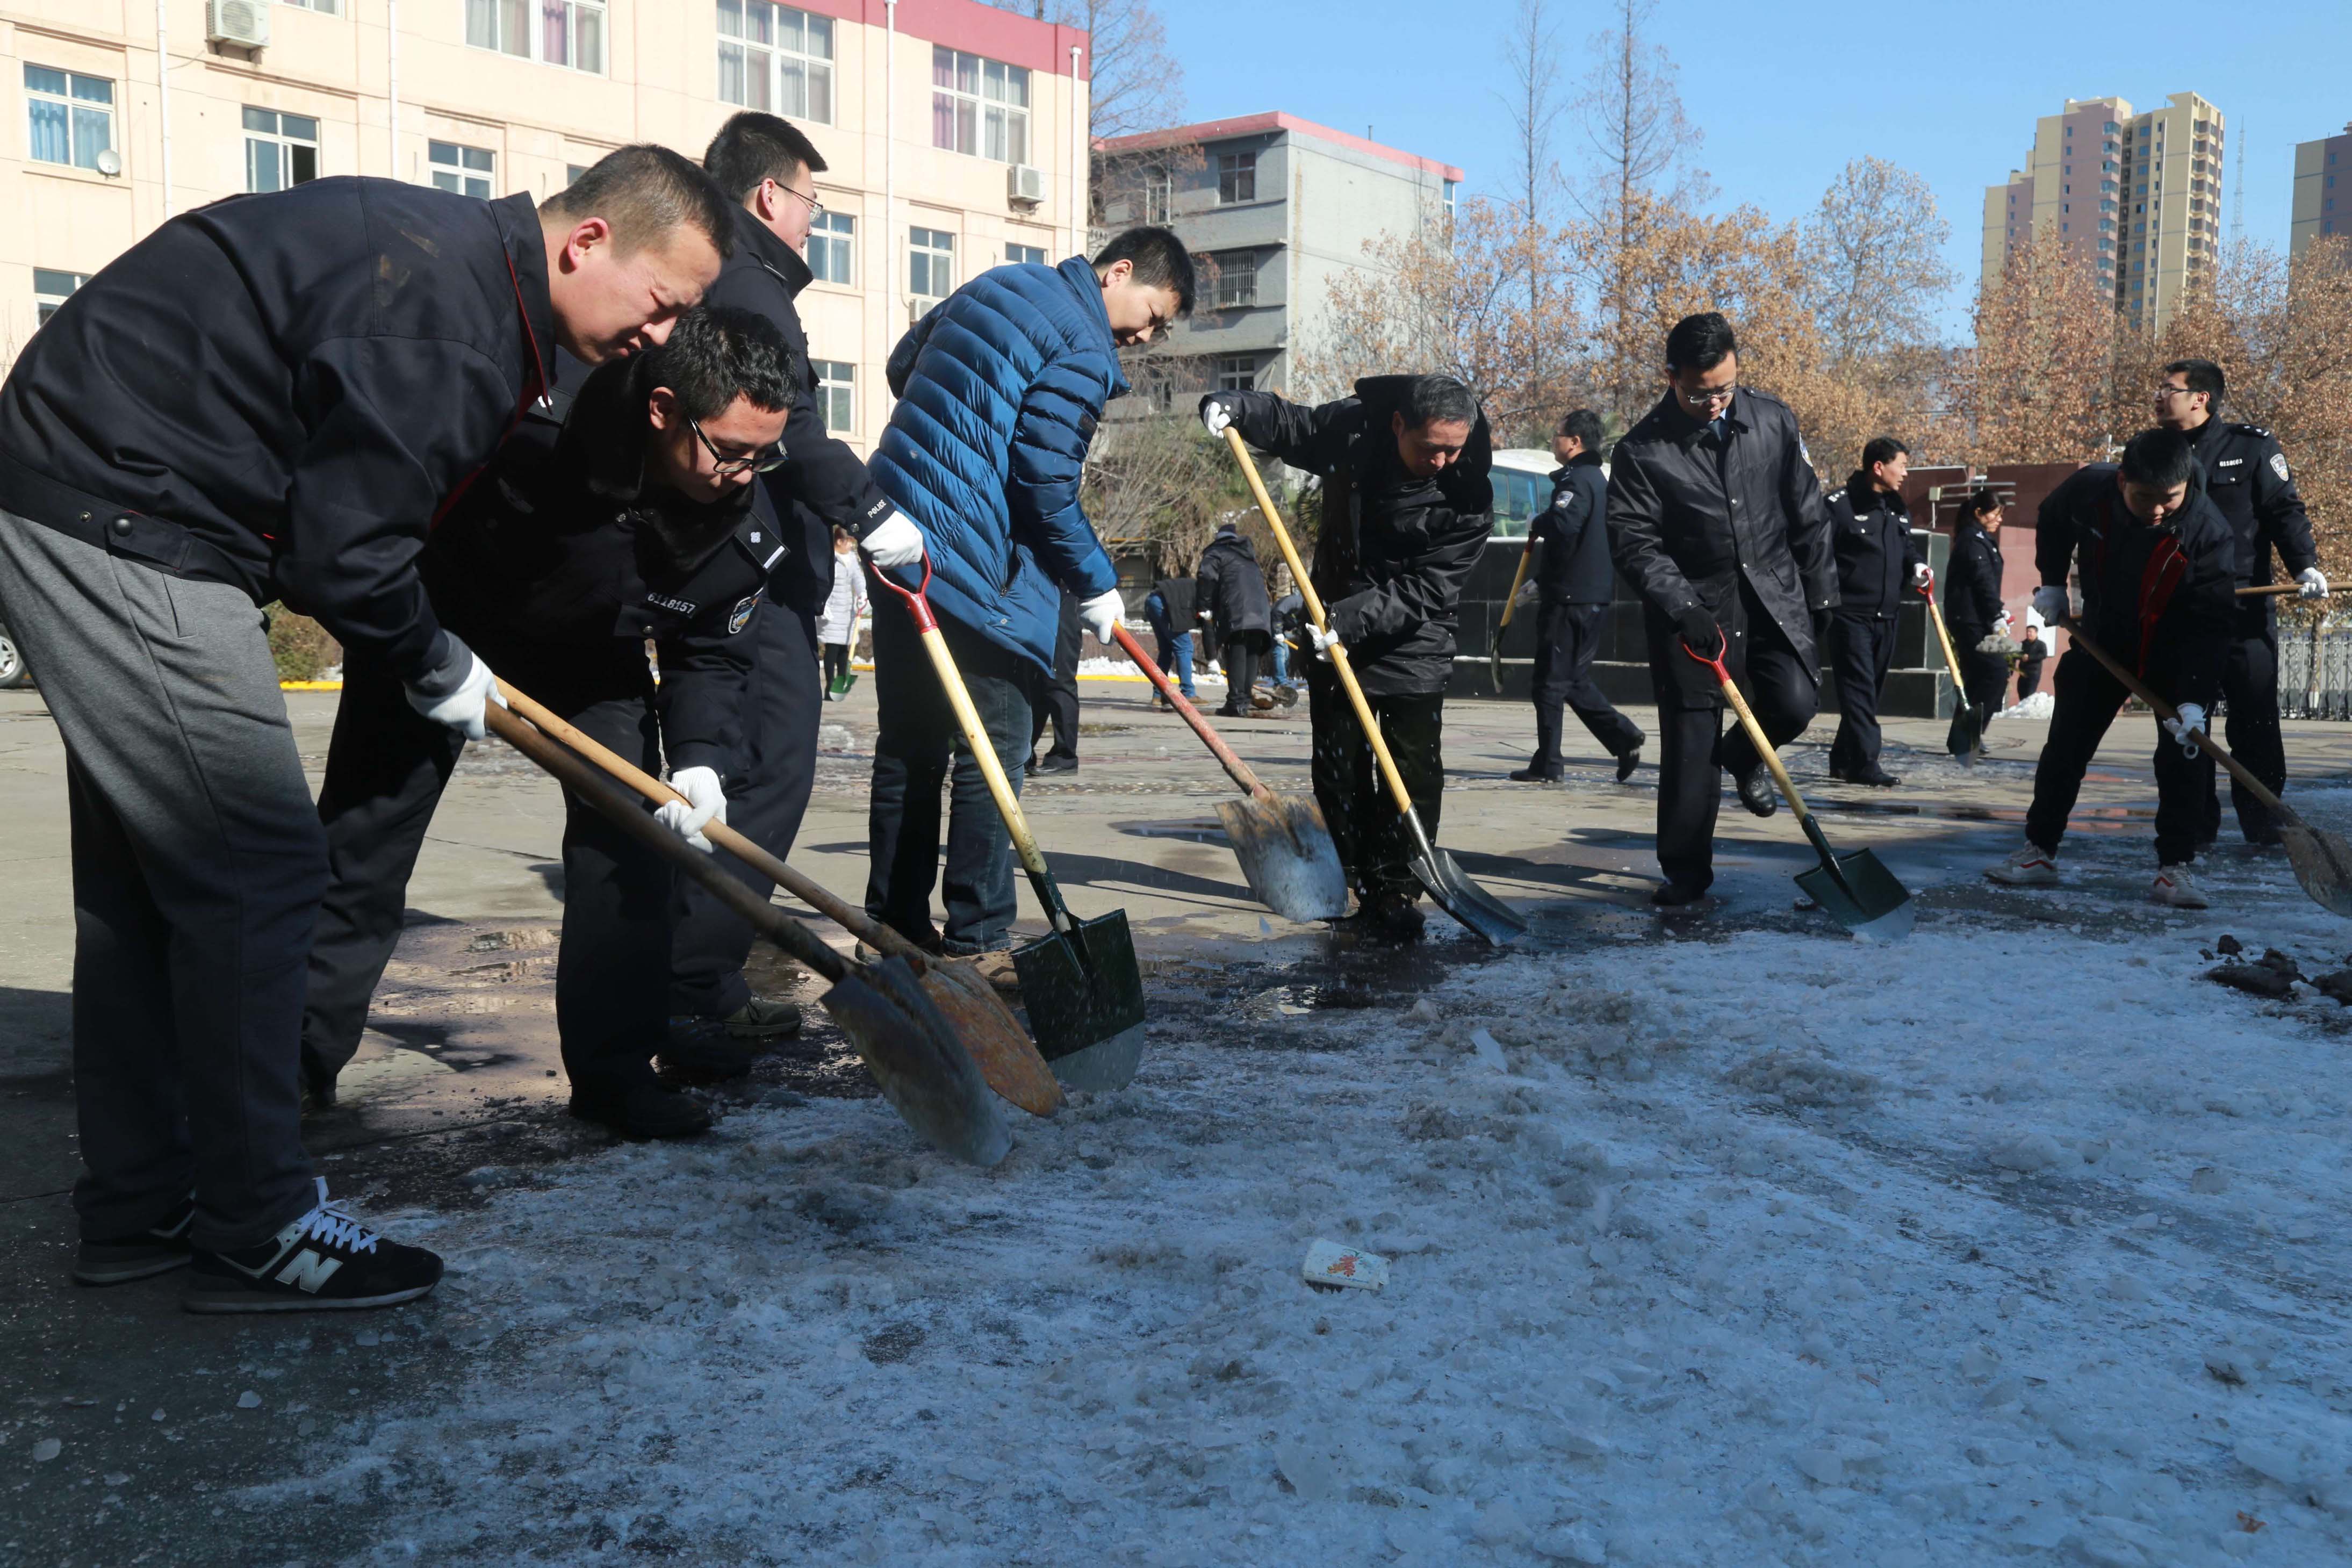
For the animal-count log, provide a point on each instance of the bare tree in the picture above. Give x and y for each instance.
(1533, 101)
(1874, 261)
(2034, 388)
(1135, 82)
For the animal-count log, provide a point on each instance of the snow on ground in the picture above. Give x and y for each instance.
(2018, 1242)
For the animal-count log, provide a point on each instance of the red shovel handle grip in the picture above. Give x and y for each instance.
(1713, 661)
(919, 604)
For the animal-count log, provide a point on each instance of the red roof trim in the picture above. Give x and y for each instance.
(1258, 125)
(969, 25)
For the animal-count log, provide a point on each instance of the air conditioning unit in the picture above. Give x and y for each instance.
(1024, 185)
(244, 22)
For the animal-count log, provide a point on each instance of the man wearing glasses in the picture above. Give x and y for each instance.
(1716, 517)
(624, 513)
(2246, 476)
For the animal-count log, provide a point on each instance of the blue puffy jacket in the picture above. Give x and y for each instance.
(999, 389)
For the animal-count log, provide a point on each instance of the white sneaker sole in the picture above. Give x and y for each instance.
(227, 1302)
(2029, 880)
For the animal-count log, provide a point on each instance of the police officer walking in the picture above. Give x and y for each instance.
(1879, 567)
(1574, 583)
(2246, 476)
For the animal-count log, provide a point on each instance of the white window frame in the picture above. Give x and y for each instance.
(936, 246)
(833, 249)
(1019, 254)
(776, 77)
(458, 175)
(46, 300)
(836, 395)
(984, 118)
(1233, 169)
(283, 145)
(1159, 195)
(490, 23)
(78, 110)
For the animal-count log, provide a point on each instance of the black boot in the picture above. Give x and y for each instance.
(1756, 792)
(1540, 771)
(1626, 762)
(639, 1109)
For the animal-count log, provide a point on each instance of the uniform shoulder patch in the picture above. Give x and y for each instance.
(2278, 465)
(740, 616)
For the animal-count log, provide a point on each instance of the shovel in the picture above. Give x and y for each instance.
(1967, 734)
(1284, 849)
(1495, 647)
(1860, 893)
(2277, 590)
(1006, 1057)
(1479, 911)
(2322, 861)
(1081, 982)
(926, 1075)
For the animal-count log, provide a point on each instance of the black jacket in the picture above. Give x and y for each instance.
(564, 557)
(1688, 519)
(823, 482)
(1232, 588)
(282, 391)
(2177, 581)
(2248, 480)
(1573, 566)
(1870, 533)
(1972, 582)
(1181, 596)
(1394, 548)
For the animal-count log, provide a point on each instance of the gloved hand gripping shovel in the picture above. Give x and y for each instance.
(1081, 986)
(1006, 1057)
(924, 1072)
(1860, 893)
(1283, 846)
(1495, 648)
(2322, 861)
(1965, 736)
(1482, 913)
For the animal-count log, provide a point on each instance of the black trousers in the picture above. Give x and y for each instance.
(836, 661)
(2088, 699)
(2029, 678)
(1059, 696)
(1567, 637)
(1862, 650)
(1374, 846)
(767, 796)
(1241, 652)
(386, 768)
(1695, 748)
(1985, 676)
(2250, 688)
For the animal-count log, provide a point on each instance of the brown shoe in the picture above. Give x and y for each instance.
(996, 968)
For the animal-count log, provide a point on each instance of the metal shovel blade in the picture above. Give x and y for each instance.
(1287, 853)
(2323, 864)
(928, 1079)
(1084, 992)
(999, 1046)
(1486, 917)
(1965, 735)
(1861, 895)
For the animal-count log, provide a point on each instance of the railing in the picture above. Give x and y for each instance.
(2315, 673)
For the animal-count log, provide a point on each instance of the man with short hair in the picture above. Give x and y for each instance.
(270, 397)
(2248, 481)
(2157, 567)
(1575, 581)
(1879, 569)
(1716, 516)
(1237, 616)
(1407, 507)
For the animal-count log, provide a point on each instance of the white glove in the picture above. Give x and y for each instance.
(1922, 579)
(705, 802)
(1208, 615)
(1323, 641)
(2051, 604)
(2315, 583)
(893, 541)
(461, 710)
(1101, 613)
(1215, 416)
(2189, 717)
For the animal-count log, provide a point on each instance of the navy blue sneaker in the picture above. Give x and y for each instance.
(324, 1261)
(118, 1260)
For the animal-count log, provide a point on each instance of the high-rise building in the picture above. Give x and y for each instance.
(2320, 206)
(2137, 198)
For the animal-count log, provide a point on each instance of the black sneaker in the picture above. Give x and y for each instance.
(1676, 895)
(1873, 776)
(120, 1259)
(761, 1019)
(1626, 762)
(324, 1261)
(1386, 917)
(1056, 762)
(640, 1109)
(702, 1051)
(1540, 772)
(1756, 790)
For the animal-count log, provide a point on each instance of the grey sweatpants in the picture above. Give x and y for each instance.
(198, 865)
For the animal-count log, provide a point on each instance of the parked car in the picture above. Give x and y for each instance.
(13, 673)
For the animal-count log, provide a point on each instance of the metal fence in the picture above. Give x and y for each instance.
(2314, 674)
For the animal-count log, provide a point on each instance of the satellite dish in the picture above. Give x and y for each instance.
(110, 163)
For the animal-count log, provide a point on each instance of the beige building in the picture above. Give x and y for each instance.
(2323, 190)
(954, 131)
(2137, 196)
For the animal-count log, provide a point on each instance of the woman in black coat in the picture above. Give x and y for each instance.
(1972, 606)
(1233, 600)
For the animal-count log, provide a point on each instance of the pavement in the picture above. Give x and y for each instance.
(158, 1419)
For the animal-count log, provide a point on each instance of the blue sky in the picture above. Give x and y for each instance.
(1788, 93)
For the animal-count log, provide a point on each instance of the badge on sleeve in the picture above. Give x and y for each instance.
(740, 616)
(2278, 465)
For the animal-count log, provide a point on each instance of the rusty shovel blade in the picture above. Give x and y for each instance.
(1287, 853)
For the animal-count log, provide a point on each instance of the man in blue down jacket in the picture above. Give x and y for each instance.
(1000, 387)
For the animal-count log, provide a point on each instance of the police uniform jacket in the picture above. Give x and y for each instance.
(2159, 599)
(1573, 566)
(2247, 476)
(1973, 581)
(1870, 533)
(565, 557)
(1231, 587)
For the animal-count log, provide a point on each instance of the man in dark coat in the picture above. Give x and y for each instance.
(1407, 507)
(2033, 653)
(624, 511)
(270, 397)
(2158, 566)
(1574, 583)
(1716, 516)
(1230, 591)
(768, 169)
(1972, 606)
(1879, 569)
(2247, 478)
(1170, 609)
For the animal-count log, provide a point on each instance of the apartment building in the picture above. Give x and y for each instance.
(2136, 197)
(1278, 206)
(954, 131)
(2321, 206)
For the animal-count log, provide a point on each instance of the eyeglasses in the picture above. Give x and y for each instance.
(816, 208)
(2174, 391)
(762, 462)
(1706, 399)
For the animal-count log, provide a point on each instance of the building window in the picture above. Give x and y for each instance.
(324, 7)
(1236, 177)
(280, 150)
(464, 170)
(1035, 255)
(571, 172)
(1159, 195)
(1236, 275)
(775, 59)
(1234, 372)
(980, 106)
(832, 248)
(931, 263)
(51, 289)
(836, 395)
(72, 116)
(562, 33)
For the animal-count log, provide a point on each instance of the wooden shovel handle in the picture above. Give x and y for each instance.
(1765, 751)
(1944, 635)
(2274, 590)
(2163, 710)
(1518, 580)
(1235, 769)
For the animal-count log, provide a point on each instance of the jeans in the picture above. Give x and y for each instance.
(1281, 662)
(1175, 646)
